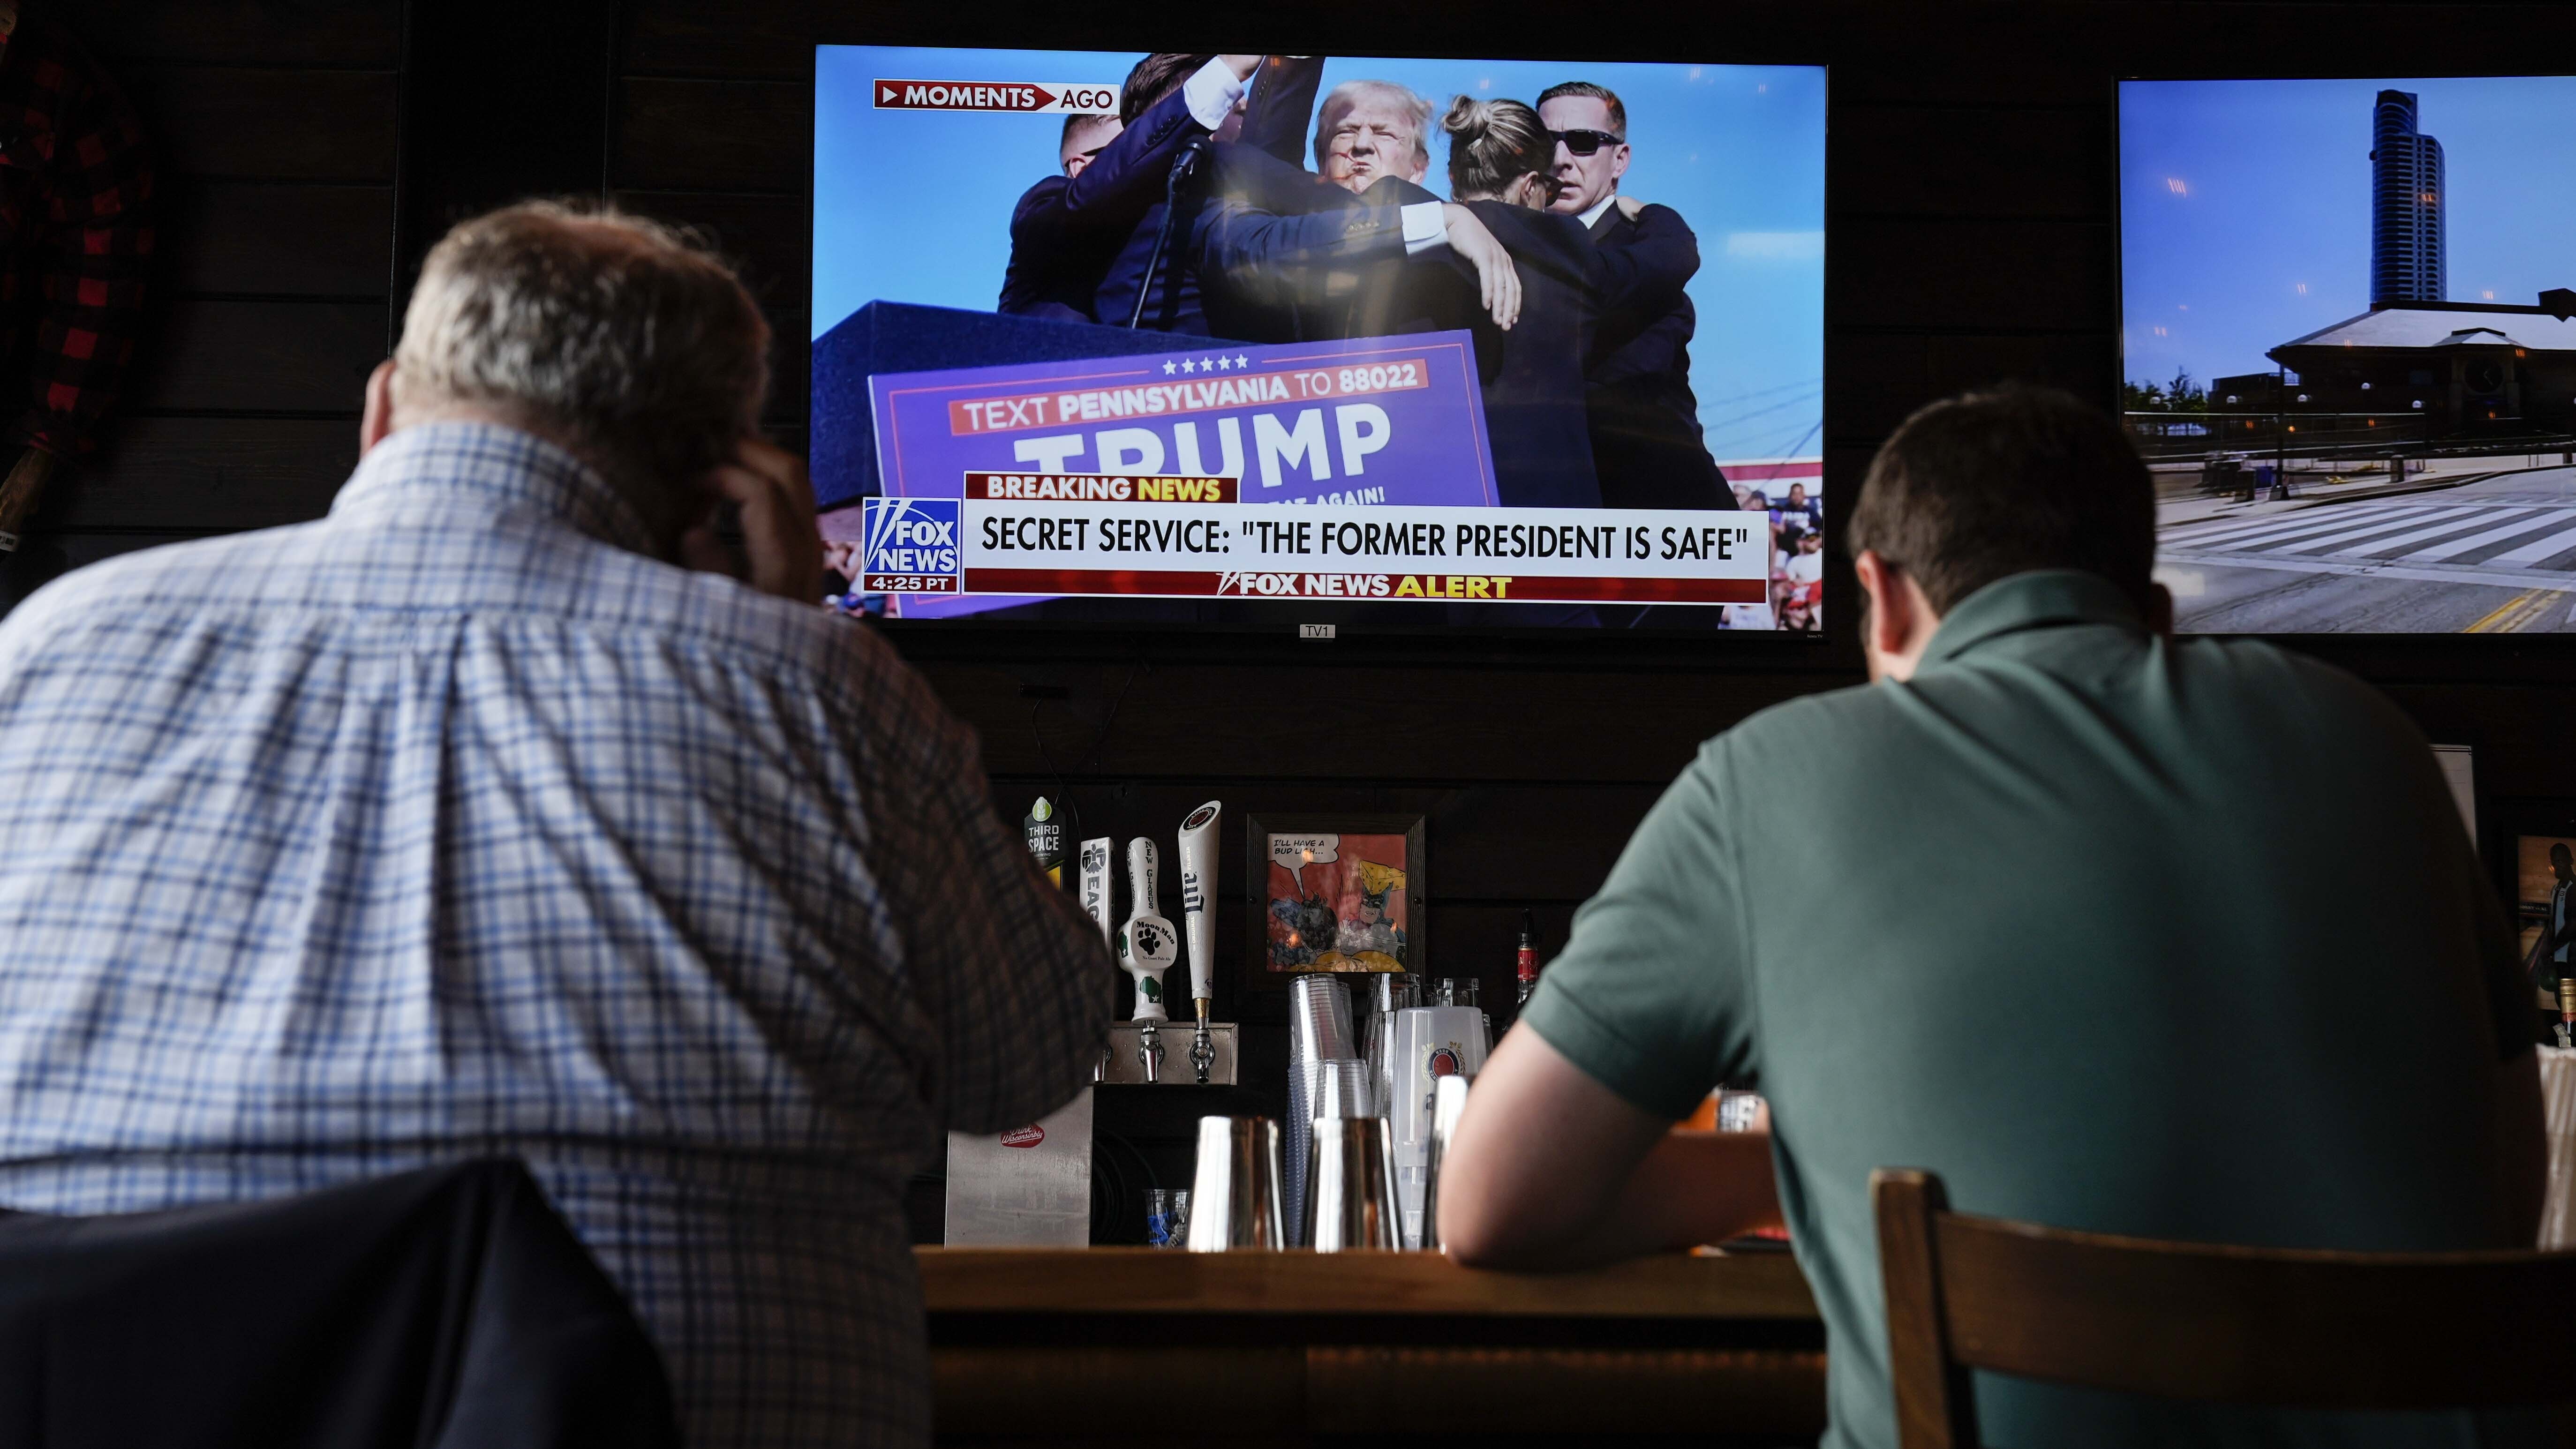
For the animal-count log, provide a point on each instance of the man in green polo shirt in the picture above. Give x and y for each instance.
(2111, 930)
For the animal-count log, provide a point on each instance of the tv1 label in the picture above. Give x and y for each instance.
(910, 545)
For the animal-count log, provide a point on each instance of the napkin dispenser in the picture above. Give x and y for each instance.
(1029, 1187)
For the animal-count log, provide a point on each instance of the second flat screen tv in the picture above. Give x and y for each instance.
(1257, 342)
(2350, 349)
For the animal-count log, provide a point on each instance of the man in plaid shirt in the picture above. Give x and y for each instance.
(75, 188)
(465, 821)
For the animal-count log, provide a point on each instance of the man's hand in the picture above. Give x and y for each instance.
(21, 491)
(778, 534)
(841, 556)
(1498, 284)
(1629, 206)
(1242, 65)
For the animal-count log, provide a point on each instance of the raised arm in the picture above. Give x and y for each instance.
(1128, 175)
(1283, 106)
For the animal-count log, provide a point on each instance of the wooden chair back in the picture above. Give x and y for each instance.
(2308, 1329)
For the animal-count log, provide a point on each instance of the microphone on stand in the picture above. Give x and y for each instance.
(1182, 166)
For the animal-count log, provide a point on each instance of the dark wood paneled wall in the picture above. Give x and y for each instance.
(1971, 239)
(274, 125)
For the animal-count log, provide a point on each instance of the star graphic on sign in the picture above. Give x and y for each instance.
(1207, 364)
(1170, 367)
(1242, 361)
(1224, 363)
(1188, 366)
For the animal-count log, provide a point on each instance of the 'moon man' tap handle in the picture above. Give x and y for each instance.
(1147, 944)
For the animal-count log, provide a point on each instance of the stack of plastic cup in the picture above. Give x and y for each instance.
(1319, 1031)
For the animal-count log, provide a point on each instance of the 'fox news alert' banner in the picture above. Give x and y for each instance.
(1173, 536)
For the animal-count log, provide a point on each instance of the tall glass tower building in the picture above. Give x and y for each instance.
(2405, 205)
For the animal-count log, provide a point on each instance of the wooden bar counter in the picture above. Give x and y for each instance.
(1114, 1344)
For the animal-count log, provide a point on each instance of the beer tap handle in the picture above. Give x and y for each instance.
(1141, 872)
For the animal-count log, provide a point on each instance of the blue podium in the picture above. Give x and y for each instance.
(900, 337)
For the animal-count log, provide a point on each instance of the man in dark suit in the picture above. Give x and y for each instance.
(1068, 231)
(1155, 266)
(1536, 404)
(1644, 420)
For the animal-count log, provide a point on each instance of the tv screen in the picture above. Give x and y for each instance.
(2349, 354)
(1293, 341)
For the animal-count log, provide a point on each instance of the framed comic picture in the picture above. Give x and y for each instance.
(1332, 893)
(2537, 839)
(2544, 907)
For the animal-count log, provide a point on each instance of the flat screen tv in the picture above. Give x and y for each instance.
(1287, 342)
(2350, 349)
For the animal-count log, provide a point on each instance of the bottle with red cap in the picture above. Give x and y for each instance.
(1528, 968)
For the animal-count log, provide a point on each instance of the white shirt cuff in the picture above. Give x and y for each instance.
(1211, 93)
(1424, 228)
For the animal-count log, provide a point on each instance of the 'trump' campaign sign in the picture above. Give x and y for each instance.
(1385, 420)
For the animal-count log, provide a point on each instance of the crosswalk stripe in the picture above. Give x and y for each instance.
(2242, 529)
(2453, 548)
(2535, 551)
(2449, 523)
(2316, 530)
(2363, 531)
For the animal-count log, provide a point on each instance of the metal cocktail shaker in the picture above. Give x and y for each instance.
(1448, 1104)
(1350, 1186)
(1234, 1194)
(1381, 997)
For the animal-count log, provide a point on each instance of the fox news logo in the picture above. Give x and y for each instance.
(910, 545)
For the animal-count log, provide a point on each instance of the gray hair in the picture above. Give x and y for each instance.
(1349, 92)
(627, 338)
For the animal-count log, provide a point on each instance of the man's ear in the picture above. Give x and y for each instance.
(377, 418)
(1891, 605)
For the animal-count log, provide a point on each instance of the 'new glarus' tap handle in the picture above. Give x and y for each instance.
(1141, 870)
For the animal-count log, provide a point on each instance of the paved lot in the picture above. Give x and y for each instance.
(2496, 556)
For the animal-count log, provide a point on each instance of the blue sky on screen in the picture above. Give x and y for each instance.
(2245, 207)
(915, 206)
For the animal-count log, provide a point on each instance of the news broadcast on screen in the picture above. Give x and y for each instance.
(1261, 341)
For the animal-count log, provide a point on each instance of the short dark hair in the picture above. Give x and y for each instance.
(1603, 94)
(2558, 851)
(1987, 484)
(1152, 79)
(1076, 120)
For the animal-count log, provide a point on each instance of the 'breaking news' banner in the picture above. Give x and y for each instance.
(1383, 420)
(1168, 536)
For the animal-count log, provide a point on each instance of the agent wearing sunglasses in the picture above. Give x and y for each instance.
(1646, 445)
